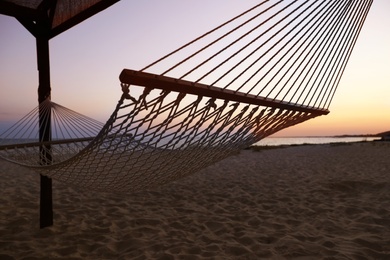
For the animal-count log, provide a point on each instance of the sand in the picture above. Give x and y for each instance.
(303, 202)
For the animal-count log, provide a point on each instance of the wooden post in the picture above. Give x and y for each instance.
(44, 91)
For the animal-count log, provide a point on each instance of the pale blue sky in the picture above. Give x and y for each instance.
(87, 59)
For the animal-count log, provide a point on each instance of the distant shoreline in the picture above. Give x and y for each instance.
(383, 134)
(277, 141)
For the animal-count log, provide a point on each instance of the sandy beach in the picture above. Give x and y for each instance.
(300, 202)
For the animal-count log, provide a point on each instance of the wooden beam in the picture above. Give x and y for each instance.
(91, 11)
(11, 9)
(167, 83)
(29, 25)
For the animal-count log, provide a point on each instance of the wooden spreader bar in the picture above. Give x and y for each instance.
(53, 142)
(150, 80)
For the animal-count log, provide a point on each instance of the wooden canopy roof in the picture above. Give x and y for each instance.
(52, 17)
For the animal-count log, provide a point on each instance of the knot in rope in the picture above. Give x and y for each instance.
(126, 92)
(211, 103)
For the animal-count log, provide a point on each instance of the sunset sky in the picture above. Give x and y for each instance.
(87, 60)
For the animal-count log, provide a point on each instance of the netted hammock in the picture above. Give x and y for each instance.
(276, 65)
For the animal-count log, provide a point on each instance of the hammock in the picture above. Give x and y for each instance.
(274, 66)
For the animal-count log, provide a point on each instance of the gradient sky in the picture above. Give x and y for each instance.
(87, 60)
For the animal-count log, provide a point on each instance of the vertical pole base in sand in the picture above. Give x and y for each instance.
(46, 203)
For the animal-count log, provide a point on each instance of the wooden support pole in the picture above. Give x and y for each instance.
(44, 91)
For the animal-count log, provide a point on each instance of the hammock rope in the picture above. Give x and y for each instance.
(275, 65)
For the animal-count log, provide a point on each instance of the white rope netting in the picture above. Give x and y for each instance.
(274, 66)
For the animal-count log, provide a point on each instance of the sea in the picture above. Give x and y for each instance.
(274, 141)
(268, 141)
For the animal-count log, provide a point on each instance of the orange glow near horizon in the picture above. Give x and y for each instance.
(339, 124)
